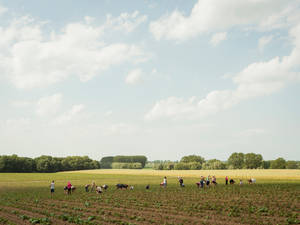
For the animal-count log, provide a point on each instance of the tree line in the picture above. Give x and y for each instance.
(14, 163)
(46, 164)
(123, 162)
(235, 161)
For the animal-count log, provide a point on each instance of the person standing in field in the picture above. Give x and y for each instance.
(202, 182)
(226, 180)
(93, 186)
(52, 188)
(69, 187)
(214, 180)
(208, 180)
(165, 182)
(180, 179)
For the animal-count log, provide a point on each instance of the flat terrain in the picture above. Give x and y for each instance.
(274, 199)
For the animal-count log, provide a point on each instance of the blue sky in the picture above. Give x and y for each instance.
(163, 79)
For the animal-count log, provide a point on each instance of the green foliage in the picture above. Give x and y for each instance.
(253, 161)
(192, 158)
(14, 163)
(236, 160)
(266, 164)
(188, 166)
(105, 162)
(279, 163)
(213, 164)
(47, 164)
(117, 165)
(131, 159)
(292, 165)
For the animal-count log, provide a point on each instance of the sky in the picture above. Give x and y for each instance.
(163, 79)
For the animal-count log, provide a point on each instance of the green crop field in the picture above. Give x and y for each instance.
(274, 199)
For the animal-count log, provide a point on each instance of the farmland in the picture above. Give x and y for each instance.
(274, 199)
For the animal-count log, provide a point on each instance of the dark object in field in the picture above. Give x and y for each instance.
(87, 187)
(104, 186)
(121, 186)
(231, 181)
(181, 182)
(73, 188)
(200, 184)
(98, 189)
(148, 187)
(252, 181)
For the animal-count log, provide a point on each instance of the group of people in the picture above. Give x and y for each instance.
(94, 187)
(68, 189)
(232, 181)
(208, 181)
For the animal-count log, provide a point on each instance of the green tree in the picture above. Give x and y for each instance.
(192, 158)
(279, 163)
(266, 164)
(253, 161)
(213, 164)
(44, 164)
(236, 160)
(106, 162)
(131, 159)
(292, 164)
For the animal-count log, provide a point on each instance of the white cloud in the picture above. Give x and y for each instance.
(71, 115)
(263, 41)
(2, 10)
(257, 79)
(134, 77)
(214, 15)
(49, 105)
(32, 58)
(126, 21)
(217, 38)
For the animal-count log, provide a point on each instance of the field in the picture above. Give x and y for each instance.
(274, 199)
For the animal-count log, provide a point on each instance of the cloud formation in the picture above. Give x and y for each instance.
(70, 116)
(134, 77)
(257, 79)
(213, 15)
(49, 105)
(218, 38)
(2, 10)
(30, 57)
(126, 21)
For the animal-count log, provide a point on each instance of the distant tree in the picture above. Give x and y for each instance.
(131, 159)
(192, 158)
(182, 166)
(292, 164)
(122, 165)
(44, 164)
(213, 164)
(252, 160)
(159, 166)
(279, 163)
(266, 164)
(106, 162)
(236, 160)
